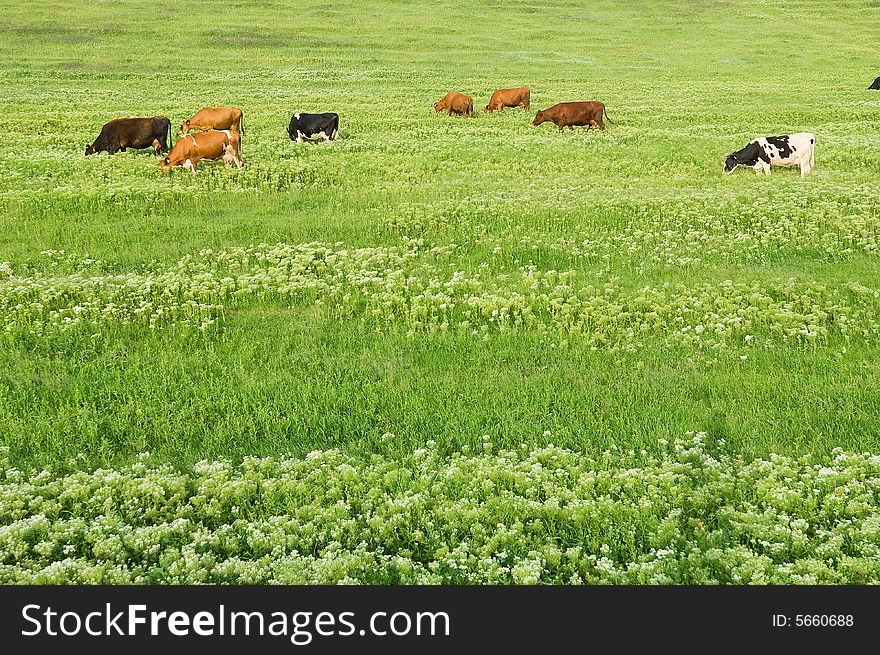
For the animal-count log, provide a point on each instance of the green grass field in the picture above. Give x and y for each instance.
(427, 278)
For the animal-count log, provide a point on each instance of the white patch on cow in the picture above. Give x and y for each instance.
(333, 136)
(296, 116)
(230, 156)
(188, 164)
(299, 136)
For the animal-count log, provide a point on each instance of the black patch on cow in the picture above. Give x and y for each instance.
(782, 145)
(748, 156)
(876, 84)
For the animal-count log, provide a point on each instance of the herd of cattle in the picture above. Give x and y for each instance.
(220, 129)
(219, 136)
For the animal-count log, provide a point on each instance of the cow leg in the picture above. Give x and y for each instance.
(299, 138)
(601, 125)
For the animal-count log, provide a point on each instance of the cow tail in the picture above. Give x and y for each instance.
(605, 111)
(168, 137)
(241, 127)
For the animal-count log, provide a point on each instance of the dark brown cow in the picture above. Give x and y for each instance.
(456, 102)
(569, 114)
(190, 149)
(214, 118)
(122, 133)
(519, 97)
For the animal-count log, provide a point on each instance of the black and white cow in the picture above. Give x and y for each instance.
(787, 150)
(875, 85)
(313, 127)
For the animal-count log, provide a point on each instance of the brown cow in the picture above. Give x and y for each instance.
(192, 148)
(122, 133)
(569, 114)
(214, 118)
(502, 98)
(456, 102)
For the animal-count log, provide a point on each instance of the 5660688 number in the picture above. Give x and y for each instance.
(823, 620)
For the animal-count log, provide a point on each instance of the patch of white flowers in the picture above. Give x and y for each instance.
(419, 289)
(694, 514)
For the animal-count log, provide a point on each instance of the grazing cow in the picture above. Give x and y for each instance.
(214, 118)
(122, 133)
(787, 150)
(569, 114)
(520, 97)
(313, 127)
(456, 102)
(190, 149)
(875, 85)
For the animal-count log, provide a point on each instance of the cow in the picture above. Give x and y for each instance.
(122, 133)
(313, 127)
(190, 149)
(214, 118)
(569, 114)
(519, 97)
(456, 102)
(787, 150)
(875, 85)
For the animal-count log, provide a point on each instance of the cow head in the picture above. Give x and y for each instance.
(90, 150)
(438, 105)
(539, 118)
(730, 163)
(184, 126)
(164, 164)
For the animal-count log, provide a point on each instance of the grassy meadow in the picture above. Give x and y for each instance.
(523, 309)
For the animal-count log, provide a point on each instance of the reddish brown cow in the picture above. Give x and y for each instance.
(192, 148)
(569, 114)
(502, 98)
(456, 102)
(214, 118)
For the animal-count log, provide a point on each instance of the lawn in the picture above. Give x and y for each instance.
(482, 285)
